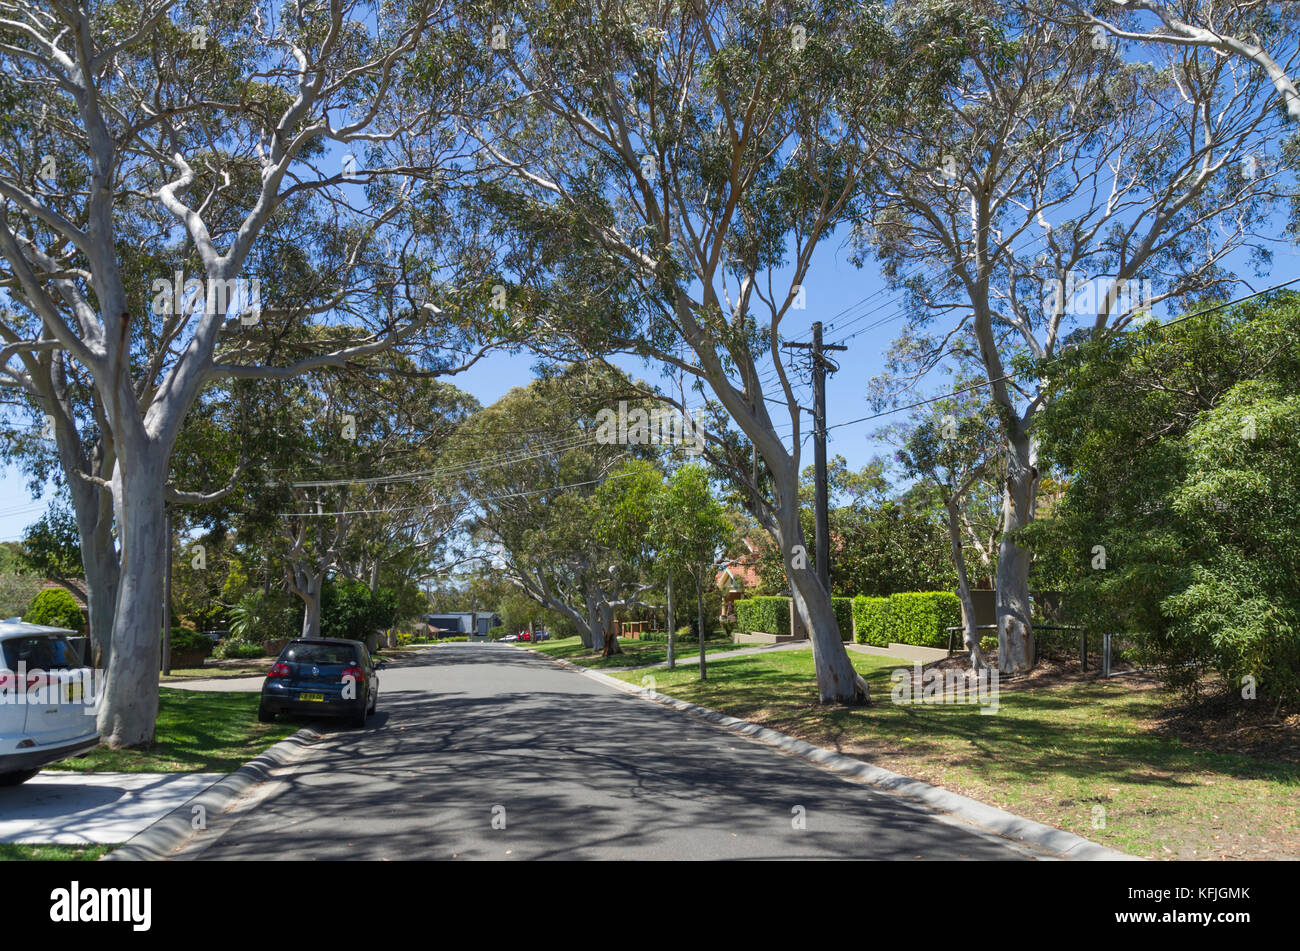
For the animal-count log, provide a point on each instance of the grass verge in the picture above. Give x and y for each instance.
(10, 852)
(635, 653)
(1089, 758)
(197, 732)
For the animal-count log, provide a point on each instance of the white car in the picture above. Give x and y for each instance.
(45, 696)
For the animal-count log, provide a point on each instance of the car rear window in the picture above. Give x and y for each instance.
(320, 654)
(43, 651)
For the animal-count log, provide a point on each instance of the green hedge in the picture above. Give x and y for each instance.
(871, 618)
(771, 615)
(767, 615)
(918, 618)
(843, 608)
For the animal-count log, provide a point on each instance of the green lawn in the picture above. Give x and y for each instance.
(253, 668)
(1052, 754)
(635, 653)
(198, 732)
(52, 853)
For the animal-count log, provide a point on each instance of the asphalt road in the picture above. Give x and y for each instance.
(474, 737)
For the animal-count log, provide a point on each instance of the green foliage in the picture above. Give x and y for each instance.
(261, 617)
(1186, 475)
(234, 649)
(918, 618)
(350, 610)
(16, 592)
(52, 546)
(843, 608)
(921, 617)
(871, 620)
(763, 615)
(497, 631)
(56, 608)
(183, 640)
(879, 546)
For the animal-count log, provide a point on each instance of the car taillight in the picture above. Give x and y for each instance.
(353, 673)
(279, 669)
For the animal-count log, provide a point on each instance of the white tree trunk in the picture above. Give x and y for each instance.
(1016, 652)
(699, 605)
(971, 634)
(310, 595)
(595, 633)
(837, 681)
(130, 703)
(672, 634)
(93, 506)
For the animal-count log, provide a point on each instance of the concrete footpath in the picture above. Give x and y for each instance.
(64, 808)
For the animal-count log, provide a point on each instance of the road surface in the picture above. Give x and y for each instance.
(485, 751)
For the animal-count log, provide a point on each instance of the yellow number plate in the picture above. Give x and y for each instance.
(317, 697)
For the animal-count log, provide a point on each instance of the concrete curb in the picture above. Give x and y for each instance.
(1062, 844)
(165, 836)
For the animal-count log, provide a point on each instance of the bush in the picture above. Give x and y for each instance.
(683, 633)
(497, 632)
(922, 618)
(765, 615)
(233, 649)
(55, 607)
(185, 641)
(351, 611)
(918, 618)
(404, 639)
(261, 617)
(843, 608)
(871, 619)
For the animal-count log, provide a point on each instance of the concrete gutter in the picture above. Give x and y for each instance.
(174, 830)
(1057, 843)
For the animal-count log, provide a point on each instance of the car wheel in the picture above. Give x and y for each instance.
(265, 715)
(359, 718)
(18, 778)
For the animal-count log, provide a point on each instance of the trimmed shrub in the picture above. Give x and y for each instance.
(921, 617)
(184, 640)
(917, 617)
(496, 632)
(233, 649)
(55, 607)
(765, 615)
(843, 608)
(871, 618)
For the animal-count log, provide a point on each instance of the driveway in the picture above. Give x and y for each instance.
(491, 752)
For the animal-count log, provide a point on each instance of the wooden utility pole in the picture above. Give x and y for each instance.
(821, 363)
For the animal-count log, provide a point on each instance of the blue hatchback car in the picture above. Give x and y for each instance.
(322, 677)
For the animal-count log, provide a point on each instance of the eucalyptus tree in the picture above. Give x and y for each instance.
(1064, 187)
(53, 425)
(1264, 33)
(672, 168)
(188, 130)
(530, 465)
(347, 482)
(955, 445)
